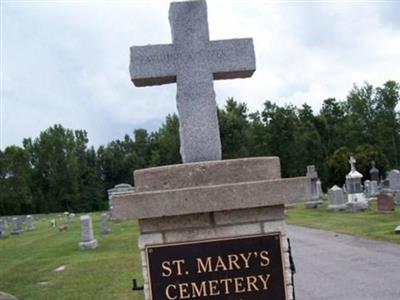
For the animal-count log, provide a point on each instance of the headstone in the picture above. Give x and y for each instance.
(394, 179)
(53, 223)
(217, 209)
(314, 188)
(356, 199)
(87, 237)
(386, 202)
(16, 225)
(105, 229)
(30, 223)
(2, 228)
(120, 189)
(374, 172)
(373, 188)
(193, 62)
(397, 229)
(336, 198)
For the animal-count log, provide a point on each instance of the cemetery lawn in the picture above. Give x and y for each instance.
(27, 262)
(368, 224)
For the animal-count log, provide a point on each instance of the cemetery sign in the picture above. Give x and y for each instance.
(249, 267)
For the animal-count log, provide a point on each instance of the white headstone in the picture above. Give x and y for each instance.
(394, 179)
(337, 198)
(30, 223)
(16, 226)
(87, 237)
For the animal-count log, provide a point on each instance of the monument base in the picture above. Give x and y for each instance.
(337, 207)
(88, 245)
(356, 206)
(194, 202)
(314, 204)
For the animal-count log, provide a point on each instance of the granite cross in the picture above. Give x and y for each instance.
(193, 62)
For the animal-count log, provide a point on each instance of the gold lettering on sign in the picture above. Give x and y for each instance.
(220, 265)
(225, 282)
(239, 285)
(167, 292)
(264, 280)
(199, 292)
(183, 291)
(246, 259)
(213, 286)
(165, 265)
(264, 258)
(201, 267)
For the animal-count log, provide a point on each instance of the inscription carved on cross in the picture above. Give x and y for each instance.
(193, 62)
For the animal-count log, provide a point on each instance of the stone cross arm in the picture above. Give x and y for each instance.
(225, 59)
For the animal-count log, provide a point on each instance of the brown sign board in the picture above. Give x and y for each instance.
(240, 268)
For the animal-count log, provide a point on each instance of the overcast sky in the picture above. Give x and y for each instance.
(67, 61)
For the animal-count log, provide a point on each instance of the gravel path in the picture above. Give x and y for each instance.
(333, 266)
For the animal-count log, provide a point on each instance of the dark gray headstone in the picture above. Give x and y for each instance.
(193, 62)
(105, 229)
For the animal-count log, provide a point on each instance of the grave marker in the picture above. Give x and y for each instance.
(184, 206)
(87, 237)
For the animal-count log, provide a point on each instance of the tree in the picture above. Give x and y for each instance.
(234, 129)
(15, 193)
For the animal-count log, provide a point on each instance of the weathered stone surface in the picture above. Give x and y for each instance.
(30, 223)
(394, 179)
(87, 237)
(211, 233)
(356, 206)
(275, 226)
(247, 215)
(150, 239)
(105, 229)
(209, 198)
(207, 173)
(175, 222)
(193, 62)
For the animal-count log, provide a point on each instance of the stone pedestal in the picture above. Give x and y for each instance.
(209, 200)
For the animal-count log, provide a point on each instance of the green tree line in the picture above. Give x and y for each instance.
(59, 171)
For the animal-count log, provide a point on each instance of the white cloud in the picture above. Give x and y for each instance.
(67, 62)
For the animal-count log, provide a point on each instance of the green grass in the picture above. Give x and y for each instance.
(368, 224)
(104, 273)
(27, 260)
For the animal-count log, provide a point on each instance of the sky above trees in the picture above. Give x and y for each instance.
(67, 61)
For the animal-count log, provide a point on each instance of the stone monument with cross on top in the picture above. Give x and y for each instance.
(193, 62)
(190, 213)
